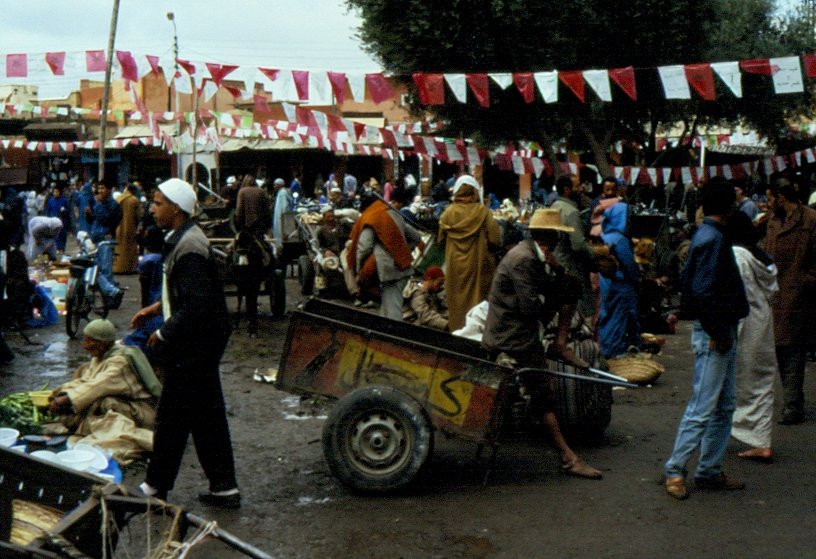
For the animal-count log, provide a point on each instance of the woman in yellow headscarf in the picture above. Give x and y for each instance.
(468, 232)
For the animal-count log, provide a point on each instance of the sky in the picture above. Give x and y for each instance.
(294, 34)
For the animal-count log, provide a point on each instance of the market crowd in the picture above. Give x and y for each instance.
(528, 280)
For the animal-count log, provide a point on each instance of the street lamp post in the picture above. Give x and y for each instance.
(172, 17)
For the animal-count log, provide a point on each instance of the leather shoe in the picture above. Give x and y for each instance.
(115, 301)
(719, 483)
(676, 487)
(232, 501)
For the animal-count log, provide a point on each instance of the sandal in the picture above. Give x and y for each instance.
(579, 468)
(764, 455)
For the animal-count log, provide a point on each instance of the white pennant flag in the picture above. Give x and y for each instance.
(598, 80)
(518, 165)
(453, 153)
(473, 156)
(183, 83)
(768, 167)
(458, 85)
(788, 78)
(747, 167)
(674, 81)
(727, 172)
(430, 146)
(652, 172)
(666, 175)
(729, 73)
(168, 68)
(712, 171)
(618, 172)
(283, 88)
(798, 158)
(538, 166)
(504, 79)
(547, 83)
(289, 110)
(634, 173)
(209, 90)
(781, 164)
(685, 172)
(810, 156)
(320, 92)
(357, 86)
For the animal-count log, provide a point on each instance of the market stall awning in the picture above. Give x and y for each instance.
(235, 144)
(143, 131)
(53, 131)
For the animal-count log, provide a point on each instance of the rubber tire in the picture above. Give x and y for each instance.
(73, 309)
(306, 274)
(387, 402)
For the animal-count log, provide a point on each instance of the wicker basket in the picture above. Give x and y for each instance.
(639, 368)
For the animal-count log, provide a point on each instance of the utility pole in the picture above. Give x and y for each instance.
(103, 126)
(172, 17)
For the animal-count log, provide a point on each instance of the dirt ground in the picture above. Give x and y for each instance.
(293, 508)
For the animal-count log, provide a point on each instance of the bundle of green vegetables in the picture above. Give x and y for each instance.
(19, 412)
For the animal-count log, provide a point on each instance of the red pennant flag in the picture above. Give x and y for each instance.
(810, 65)
(56, 61)
(301, 78)
(575, 81)
(188, 66)
(388, 137)
(95, 61)
(379, 88)
(270, 73)
(128, 64)
(625, 79)
(430, 88)
(701, 78)
(219, 72)
(234, 91)
(338, 85)
(526, 85)
(154, 63)
(16, 65)
(261, 104)
(761, 66)
(480, 87)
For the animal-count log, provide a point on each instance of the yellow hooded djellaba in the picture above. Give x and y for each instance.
(469, 233)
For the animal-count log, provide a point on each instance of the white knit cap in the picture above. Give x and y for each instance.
(231, 180)
(469, 180)
(180, 193)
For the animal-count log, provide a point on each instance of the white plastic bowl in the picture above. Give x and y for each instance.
(8, 436)
(76, 459)
(46, 455)
(100, 461)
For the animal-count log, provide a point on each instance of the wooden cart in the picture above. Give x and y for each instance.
(397, 383)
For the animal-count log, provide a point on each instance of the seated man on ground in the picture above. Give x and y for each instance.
(111, 401)
(423, 304)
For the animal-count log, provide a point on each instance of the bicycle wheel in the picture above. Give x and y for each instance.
(74, 308)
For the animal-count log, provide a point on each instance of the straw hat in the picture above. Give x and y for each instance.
(548, 218)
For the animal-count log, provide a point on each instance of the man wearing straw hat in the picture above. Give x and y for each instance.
(529, 287)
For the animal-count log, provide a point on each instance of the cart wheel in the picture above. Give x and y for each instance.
(73, 309)
(377, 439)
(306, 274)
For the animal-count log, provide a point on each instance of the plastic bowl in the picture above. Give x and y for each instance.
(100, 461)
(8, 436)
(46, 455)
(76, 459)
(40, 398)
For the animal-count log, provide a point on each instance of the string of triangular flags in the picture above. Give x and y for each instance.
(678, 81)
(57, 74)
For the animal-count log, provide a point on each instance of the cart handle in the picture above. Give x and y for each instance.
(608, 378)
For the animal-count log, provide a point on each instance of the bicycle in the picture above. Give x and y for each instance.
(83, 287)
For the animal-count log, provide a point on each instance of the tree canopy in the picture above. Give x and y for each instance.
(461, 36)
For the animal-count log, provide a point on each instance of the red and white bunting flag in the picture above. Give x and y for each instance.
(356, 86)
(810, 65)
(188, 66)
(518, 164)
(379, 88)
(208, 89)
(618, 172)
(701, 78)
(810, 155)
(502, 79)
(458, 86)
(727, 172)
(56, 61)
(182, 83)
(95, 61)
(781, 164)
(153, 61)
(301, 78)
(798, 158)
(473, 157)
(788, 77)
(652, 172)
(769, 168)
(338, 85)
(625, 79)
(219, 72)
(712, 171)
(128, 65)
(685, 174)
(480, 87)
(16, 65)
(430, 146)
(526, 85)
(761, 66)
(748, 168)
(598, 80)
(538, 166)
(547, 83)
(574, 80)
(675, 84)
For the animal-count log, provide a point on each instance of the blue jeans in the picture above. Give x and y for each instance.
(104, 259)
(706, 422)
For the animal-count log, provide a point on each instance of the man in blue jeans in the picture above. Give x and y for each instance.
(104, 216)
(713, 295)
